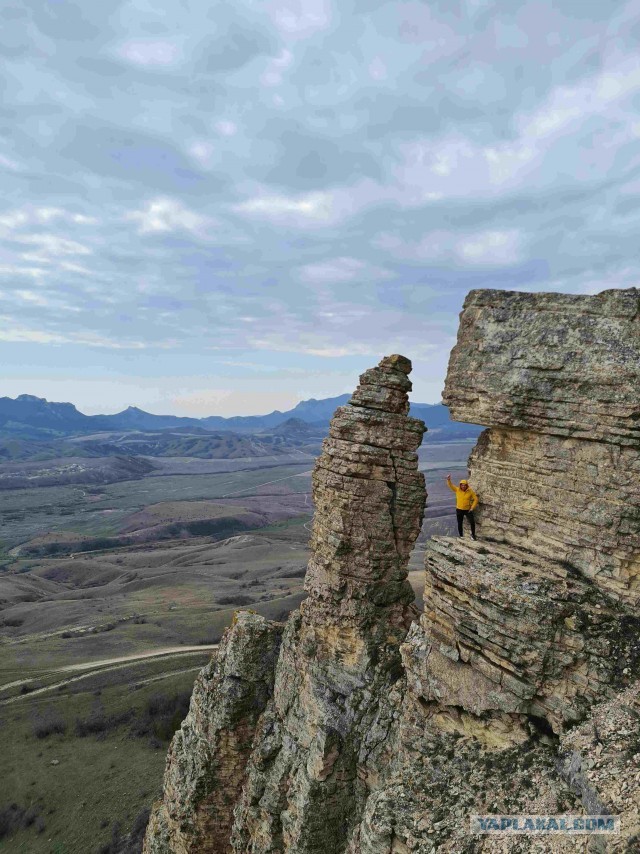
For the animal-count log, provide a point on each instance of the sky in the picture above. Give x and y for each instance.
(225, 208)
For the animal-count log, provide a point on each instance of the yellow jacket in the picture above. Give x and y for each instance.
(466, 499)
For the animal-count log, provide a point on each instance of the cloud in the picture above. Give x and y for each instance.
(305, 181)
(32, 297)
(13, 333)
(149, 52)
(568, 105)
(471, 249)
(30, 216)
(309, 208)
(163, 215)
(13, 270)
(203, 152)
(342, 270)
(8, 163)
(300, 18)
(226, 128)
(273, 74)
(51, 246)
(491, 248)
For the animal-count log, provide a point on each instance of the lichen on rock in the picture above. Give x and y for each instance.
(208, 754)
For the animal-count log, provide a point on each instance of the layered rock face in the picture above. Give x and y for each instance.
(557, 378)
(538, 620)
(362, 729)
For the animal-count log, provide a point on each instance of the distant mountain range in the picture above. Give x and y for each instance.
(29, 417)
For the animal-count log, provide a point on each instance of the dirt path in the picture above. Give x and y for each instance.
(166, 675)
(105, 665)
(266, 483)
(170, 650)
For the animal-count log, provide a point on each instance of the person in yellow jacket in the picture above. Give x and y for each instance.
(466, 503)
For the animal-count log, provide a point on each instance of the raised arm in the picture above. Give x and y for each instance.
(450, 485)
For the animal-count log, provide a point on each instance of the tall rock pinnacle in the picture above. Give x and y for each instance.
(340, 654)
(369, 498)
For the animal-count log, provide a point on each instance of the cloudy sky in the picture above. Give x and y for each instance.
(226, 207)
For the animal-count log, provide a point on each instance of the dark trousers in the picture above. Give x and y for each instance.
(460, 514)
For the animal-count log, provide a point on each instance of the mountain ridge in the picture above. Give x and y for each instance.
(28, 416)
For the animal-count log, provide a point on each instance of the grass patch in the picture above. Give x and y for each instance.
(80, 786)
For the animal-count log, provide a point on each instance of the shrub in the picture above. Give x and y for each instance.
(49, 722)
(239, 599)
(10, 819)
(30, 816)
(162, 716)
(98, 722)
(131, 843)
(14, 817)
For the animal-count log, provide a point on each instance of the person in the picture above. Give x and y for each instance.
(466, 503)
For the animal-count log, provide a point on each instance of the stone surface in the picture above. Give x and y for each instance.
(516, 691)
(601, 762)
(207, 758)
(551, 363)
(573, 500)
(503, 630)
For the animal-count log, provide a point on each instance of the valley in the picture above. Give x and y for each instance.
(115, 589)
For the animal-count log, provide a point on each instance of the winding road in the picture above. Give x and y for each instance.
(90, 668)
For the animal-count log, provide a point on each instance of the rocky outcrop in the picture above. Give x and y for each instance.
(549, 363)
(537, 621)
(503, 630)
(516, 691)
(206, 763)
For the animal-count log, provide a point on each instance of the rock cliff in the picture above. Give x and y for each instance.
(359, 728)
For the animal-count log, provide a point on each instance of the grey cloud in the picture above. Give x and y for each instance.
(306, 161)
(232, 48)
(66, 21)
(130, 155)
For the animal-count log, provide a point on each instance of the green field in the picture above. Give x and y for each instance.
(82, 766)
(100, 512)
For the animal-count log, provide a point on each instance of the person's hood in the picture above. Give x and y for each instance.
(464, 481)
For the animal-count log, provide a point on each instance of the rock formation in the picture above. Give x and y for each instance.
(361, 729)
(205, 767)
